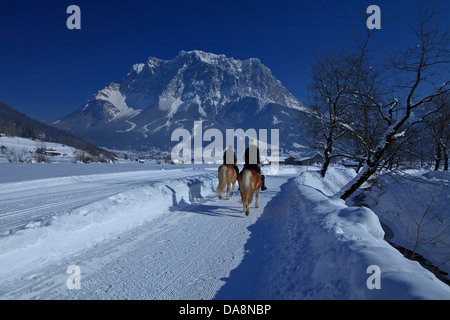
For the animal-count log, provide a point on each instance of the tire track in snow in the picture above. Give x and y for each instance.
(170, 289)
(38, 201)
(40, 214)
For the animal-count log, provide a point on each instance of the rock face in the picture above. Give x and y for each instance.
(157, 97)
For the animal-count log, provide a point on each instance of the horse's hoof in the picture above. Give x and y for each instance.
(246, 213)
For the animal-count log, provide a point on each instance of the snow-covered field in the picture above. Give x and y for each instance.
(15, 148)
(135, 231)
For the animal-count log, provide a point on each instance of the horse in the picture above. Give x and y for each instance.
(227, 177)
(249, 183)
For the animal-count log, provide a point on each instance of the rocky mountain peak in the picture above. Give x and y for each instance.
(158, 96)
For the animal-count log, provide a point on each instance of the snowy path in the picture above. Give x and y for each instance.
(36, 202)
(182, 254)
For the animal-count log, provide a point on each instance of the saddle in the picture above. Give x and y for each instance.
(260, 176)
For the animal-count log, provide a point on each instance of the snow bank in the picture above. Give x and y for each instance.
(416, 200)
(280, 170)
(84, 227)
(311, 245)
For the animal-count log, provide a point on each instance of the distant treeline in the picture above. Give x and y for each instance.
(16, 124)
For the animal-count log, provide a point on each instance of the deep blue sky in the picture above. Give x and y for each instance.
(48, 71)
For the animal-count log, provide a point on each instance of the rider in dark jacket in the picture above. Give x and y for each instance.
(253, 162)
(229, 157)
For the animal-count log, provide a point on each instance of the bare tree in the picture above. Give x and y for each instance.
(412, 68)
(438, 127)
(331, 77)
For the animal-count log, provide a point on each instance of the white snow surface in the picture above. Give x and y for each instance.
(24, 147)
(139, 232)
(410, 198)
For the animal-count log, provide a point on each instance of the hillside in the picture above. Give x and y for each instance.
(16, 124)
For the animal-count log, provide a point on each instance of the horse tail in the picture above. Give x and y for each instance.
(247, 187)
(222, 180)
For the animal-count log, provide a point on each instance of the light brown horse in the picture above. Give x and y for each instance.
(227, 177)
(249, 183)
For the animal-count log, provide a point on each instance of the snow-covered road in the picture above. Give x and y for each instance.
(183, 252)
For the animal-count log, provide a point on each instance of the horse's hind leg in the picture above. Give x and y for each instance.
(234, 188)
(247, 208)
(248, 200)
(257, 197)
(228, 191)
(241, 200)
(244, 198)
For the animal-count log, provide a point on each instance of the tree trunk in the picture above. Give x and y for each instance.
(445, 160)
(326, 154)
(373, 161)
(438, 158)
(325, 165)
(358, 181)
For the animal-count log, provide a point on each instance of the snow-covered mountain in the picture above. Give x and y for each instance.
(159, 96)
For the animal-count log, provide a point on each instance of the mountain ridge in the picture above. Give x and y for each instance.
(159, 96)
